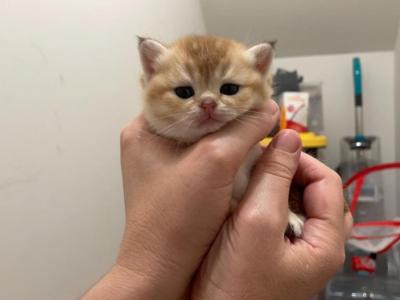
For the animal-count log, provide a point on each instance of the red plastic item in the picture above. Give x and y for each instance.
(363, 263)
(359, 179)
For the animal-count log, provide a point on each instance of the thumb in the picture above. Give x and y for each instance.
(266, 201)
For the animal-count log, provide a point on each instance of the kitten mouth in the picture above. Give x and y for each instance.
(206, 119)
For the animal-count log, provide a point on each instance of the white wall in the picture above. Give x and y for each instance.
(68, 83)
(335, 73)
(307, 27)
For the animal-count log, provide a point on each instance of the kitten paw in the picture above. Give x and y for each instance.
(295, 226)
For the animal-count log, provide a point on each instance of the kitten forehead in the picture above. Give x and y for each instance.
(207, 55)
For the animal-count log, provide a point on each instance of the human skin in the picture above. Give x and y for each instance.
(177, 200)
(251, 258)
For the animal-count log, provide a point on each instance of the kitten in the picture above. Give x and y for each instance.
(200, 83)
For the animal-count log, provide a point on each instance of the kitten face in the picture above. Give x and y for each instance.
(200, 83)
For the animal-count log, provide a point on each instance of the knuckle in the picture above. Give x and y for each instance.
(330, 257)
(348, 223)
(336, 178)
(342, 257)
(125, 136)
(128, 133)
(254, 219)
(276, 168)
(215, 154)
(337, 260)
(251, 219)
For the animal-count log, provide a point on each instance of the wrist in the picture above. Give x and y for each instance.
(159, 268)
(118, 283)
(121, 283)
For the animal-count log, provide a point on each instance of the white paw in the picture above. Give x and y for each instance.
(296, 223)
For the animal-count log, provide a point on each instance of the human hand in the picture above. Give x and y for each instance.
(251, 258)
(176, 200)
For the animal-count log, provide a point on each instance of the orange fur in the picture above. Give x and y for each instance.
(204, 63)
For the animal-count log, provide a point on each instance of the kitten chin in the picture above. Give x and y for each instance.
(182, 134)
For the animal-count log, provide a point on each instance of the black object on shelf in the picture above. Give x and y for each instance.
(286, 81)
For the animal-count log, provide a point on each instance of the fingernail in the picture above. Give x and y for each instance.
(287, 140)
(272, 107)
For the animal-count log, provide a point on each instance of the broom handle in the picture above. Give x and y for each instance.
(358, 96)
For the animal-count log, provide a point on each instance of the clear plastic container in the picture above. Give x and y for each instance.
(353, 283)
(357, 155)
(351, 287)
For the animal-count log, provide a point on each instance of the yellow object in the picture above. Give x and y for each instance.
(308, 140)
(282, 119)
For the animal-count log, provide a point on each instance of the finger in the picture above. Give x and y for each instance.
(348, 224)
(266, 200)
(323, 202)
(134, 125)
(323, 193)
(238, 137)
(139, 133)
(135, 129)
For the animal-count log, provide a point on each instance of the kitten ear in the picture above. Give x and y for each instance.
(261, 55)
(151, 52)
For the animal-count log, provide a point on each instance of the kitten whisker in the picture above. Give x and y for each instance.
(177, 115)
(164, 132)
(243, 116)
(170, 127)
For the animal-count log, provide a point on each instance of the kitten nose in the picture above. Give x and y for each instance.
(208, 105)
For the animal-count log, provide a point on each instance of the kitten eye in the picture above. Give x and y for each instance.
(184, 92)
(229, 89)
